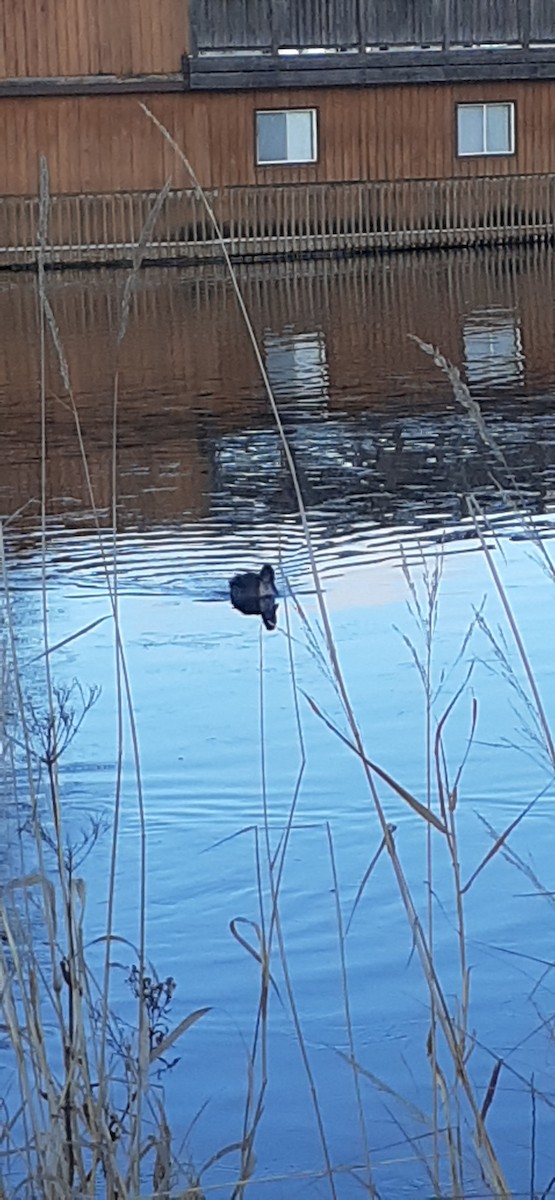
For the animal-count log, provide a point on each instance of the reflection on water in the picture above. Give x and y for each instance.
(493, 347)
(386, 460)
(297, 369)
(378, 440)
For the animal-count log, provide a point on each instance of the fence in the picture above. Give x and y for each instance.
(301, 219)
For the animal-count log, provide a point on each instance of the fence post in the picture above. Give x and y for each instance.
(447, 25)
(278, 24)
(193, 28)
(524, 22)
(362, 9)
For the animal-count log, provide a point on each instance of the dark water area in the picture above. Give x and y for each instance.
(387, 459)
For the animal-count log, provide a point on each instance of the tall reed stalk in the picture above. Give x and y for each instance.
(80, 1130)
(83, 1087)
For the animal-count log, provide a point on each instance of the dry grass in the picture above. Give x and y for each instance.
(459, 1092)
(83, 1117)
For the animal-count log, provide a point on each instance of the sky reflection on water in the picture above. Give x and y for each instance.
(385, 460)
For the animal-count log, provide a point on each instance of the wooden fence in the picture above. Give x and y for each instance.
(277, 221)
(251, 25)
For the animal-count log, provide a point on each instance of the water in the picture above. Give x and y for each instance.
(386, 459)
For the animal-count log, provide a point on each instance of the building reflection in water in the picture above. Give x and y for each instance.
(493, 348)
(296, 364)
(377, 437)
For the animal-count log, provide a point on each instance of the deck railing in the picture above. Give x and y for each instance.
(252, 26)
(274, 221)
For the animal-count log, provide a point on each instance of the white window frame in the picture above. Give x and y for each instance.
(484, 105)
(287, 162)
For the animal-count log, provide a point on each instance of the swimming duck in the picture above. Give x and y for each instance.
(254, 594)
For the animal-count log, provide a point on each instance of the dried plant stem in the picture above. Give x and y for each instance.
(348, 1019)
(122, 677)
(484, 1146)
(276, 925)
(516, 634)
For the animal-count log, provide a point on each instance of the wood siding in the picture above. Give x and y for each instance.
(65, 38)
(106, 144)
(350, 24)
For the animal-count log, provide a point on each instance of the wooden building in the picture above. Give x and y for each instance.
(314, 125)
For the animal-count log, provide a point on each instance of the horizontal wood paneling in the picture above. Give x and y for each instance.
(106, 144)
(65, 38)
(247, 72)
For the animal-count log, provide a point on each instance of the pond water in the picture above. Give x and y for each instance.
(387, 460)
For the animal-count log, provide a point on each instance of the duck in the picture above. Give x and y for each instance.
(254, 594)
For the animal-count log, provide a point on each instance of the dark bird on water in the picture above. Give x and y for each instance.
(255, 594)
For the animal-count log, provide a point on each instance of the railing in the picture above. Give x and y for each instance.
(300, 219)
(267, 26)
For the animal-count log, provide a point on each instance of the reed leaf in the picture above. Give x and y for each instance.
(170, 1038)
(499, 842)
(417, 807)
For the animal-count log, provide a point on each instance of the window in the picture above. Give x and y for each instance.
(485, 129)
(286, 136)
